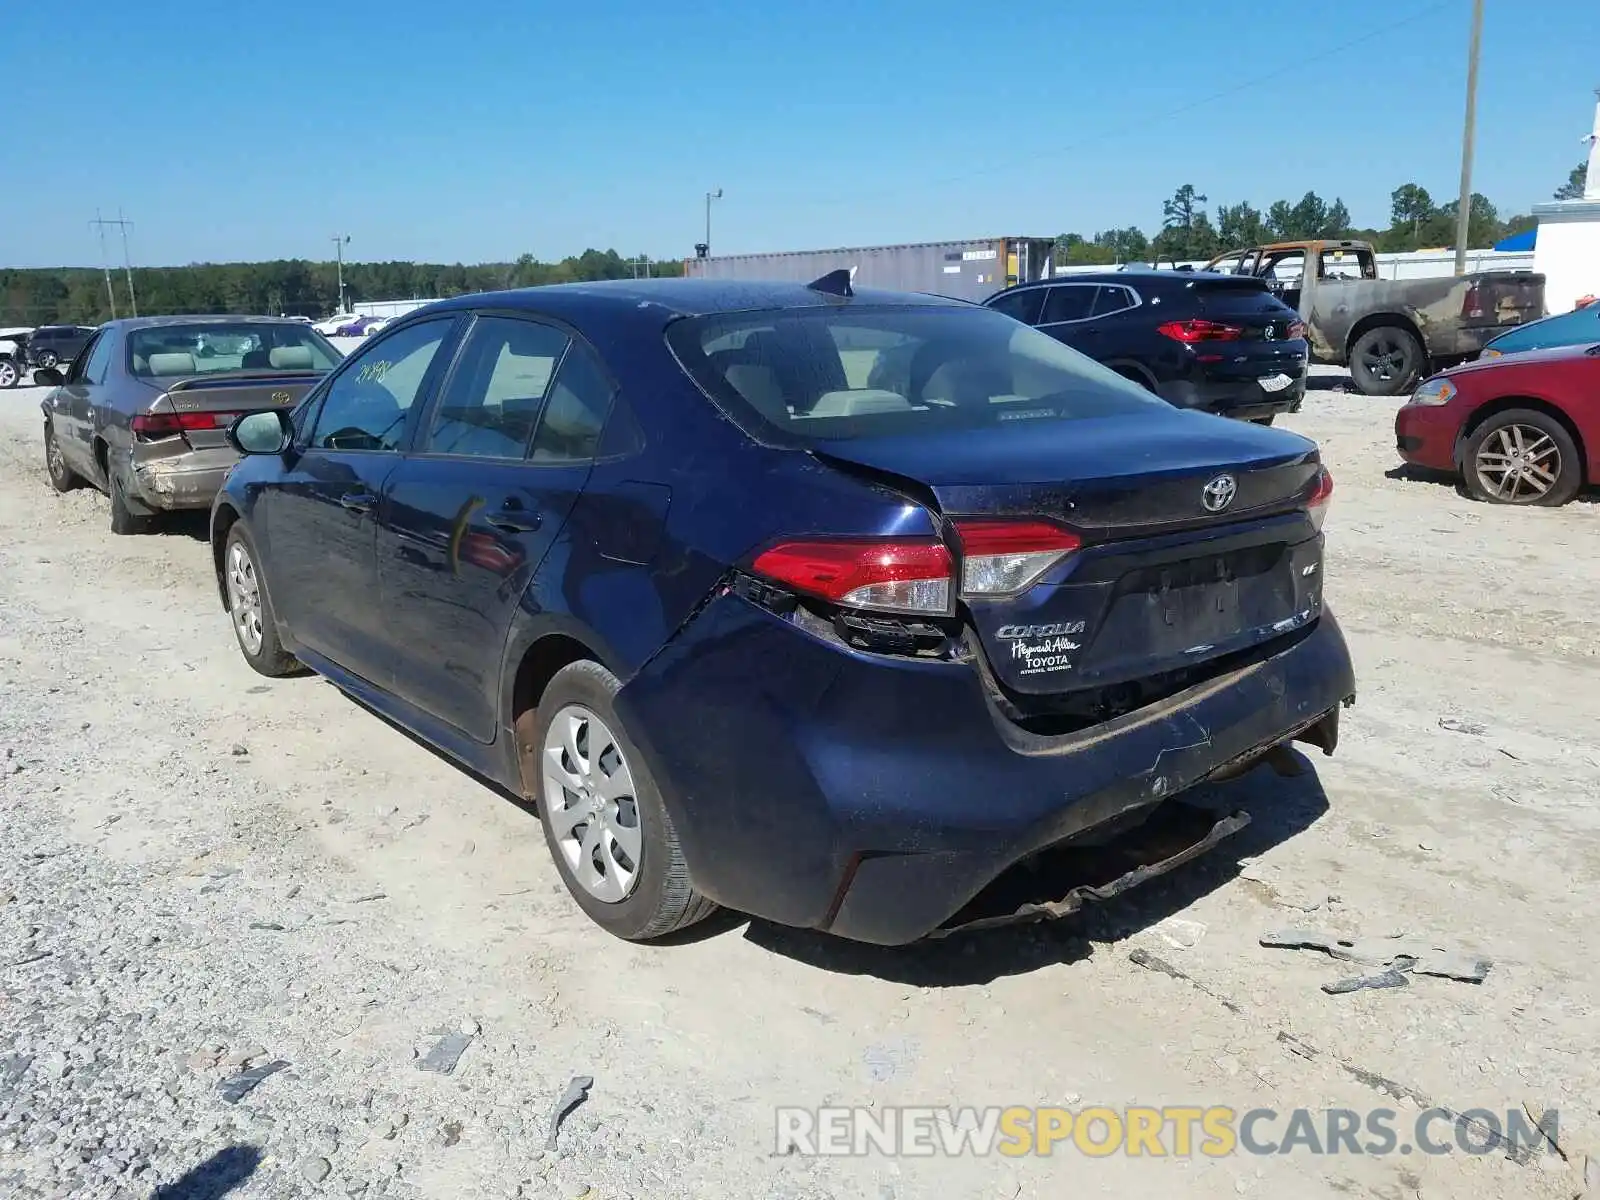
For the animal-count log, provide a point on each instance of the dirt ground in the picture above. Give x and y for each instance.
(207, 863)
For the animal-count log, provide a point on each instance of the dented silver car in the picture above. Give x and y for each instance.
(143, 411)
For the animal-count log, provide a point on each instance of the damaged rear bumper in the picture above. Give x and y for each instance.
(169, 474)
(876, 797)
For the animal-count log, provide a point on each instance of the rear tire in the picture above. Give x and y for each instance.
(124, 520)
(10, 373)
(62, 477)
(596, 801)
(1386, 360)
(1524, 457)
(250, 612)
(47, 358)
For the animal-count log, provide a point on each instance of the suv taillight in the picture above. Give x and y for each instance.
(1321, 495)
(1198, 330)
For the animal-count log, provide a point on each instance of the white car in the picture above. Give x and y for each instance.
(328, 325)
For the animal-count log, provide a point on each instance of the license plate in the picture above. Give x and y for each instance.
(1276, 383)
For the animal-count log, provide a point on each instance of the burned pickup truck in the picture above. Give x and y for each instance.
(1389, 332)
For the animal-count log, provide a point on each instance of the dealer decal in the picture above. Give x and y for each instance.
(1045, 656)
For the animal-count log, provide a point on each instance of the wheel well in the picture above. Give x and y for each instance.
(102, 456)
(1136, 373)
(220, 524)
(1529, 403)
(538, 667)
(1377, 320)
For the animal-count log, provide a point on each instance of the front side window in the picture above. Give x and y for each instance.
(370, 404)
(492, 402)
(802, 376)
(1021, 306)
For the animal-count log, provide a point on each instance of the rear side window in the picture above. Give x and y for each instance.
(802, 376)
(1113, 299)
(491, 404)
(569, 429)
(1021, 306)
(1073, 303)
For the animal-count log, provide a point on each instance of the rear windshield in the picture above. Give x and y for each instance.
(799, 376)
(205, 349)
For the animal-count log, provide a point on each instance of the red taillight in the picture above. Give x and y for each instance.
(159, 424)
(999, 557)
(1472, 304)
(1190, 332)
(1321, 494)
(897, 576)
(1297, 329)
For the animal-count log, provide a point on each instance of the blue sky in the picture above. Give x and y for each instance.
(483, 130)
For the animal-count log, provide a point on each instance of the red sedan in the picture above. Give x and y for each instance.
(1522, 429)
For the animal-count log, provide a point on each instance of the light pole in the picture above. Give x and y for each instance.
(710, 196)
(339, 243)
(1464, 204)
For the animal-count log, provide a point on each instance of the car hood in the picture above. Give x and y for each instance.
(1522, 358)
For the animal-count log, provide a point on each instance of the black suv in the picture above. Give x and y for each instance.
(52, 344)
(1220, 343)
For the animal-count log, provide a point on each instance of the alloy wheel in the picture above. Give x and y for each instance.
(1518, 463)
(53, 458)
(593, 813)
(244, 598)
(1385, 358)
(8, 373)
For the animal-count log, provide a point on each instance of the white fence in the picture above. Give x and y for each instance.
(1415, 264)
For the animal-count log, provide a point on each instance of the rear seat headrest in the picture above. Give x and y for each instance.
(172, 363)
(291, 358)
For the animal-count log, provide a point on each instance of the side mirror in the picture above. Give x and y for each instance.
(262, 433)
(48, 377)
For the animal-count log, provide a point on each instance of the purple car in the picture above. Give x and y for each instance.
(358, 327)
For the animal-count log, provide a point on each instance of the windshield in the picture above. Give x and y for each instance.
(215, 346)
(800, 376)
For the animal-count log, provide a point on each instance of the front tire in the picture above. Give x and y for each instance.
(1522, 456)
(47, 359)
(10, 373)
(608, 831)
(255, 625)
(62, 477)
(1386, 361)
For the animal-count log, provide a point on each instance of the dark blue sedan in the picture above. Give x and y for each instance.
(830, 607)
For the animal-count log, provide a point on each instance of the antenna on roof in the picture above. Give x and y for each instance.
(834, 283)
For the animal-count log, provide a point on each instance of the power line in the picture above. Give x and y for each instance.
(127, 262)
(1295, 67)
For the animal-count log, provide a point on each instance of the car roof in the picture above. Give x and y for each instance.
(672, 298)
(130, 323)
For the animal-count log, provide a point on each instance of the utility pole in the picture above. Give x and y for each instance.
(710, 196)
(1468, 129)
(105, 263)
(339, 243)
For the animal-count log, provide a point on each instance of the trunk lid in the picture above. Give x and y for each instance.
(1246, 302)
(206, 405)
(1196, 543)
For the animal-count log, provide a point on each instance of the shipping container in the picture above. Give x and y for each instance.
(971, 270)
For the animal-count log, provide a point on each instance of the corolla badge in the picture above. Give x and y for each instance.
(1219, 493)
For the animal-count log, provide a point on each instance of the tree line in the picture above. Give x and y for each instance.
(295, 287)
(1188, 232)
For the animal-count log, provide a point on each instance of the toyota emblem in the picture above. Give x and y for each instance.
(1219, 493)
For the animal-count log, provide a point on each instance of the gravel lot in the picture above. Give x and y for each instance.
(202, 871)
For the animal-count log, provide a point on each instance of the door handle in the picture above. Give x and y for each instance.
(357, 502)
(514, 520)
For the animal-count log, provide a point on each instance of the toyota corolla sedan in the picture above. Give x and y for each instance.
(143, 411)
(763, 622)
